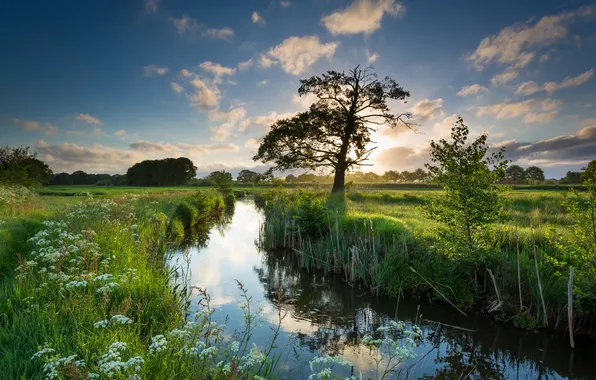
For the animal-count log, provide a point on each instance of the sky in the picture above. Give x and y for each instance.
(98, 86)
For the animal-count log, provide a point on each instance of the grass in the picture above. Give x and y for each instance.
(91, 279)
(383, 241)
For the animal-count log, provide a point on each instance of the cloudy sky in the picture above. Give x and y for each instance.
(101, 85)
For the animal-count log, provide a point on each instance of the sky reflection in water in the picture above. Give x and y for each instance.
(325, 315)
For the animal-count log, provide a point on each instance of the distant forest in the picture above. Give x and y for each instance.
(18, 165)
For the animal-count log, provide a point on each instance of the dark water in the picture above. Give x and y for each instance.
(325, 315)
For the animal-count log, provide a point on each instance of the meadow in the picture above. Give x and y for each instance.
(86, 292)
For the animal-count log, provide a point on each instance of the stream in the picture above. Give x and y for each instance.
(326, 316)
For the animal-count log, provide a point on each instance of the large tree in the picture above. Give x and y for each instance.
(515, 174)
(534, 174)
(335, 132)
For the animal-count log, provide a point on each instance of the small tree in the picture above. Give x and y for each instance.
(222, 180)
(534, 174)
(469, 177)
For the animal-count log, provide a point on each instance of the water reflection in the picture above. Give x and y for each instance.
(326, 315)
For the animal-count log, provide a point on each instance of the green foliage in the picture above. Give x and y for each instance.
(472, 200)
(176, 230)
(335, 132)
(534, 174)
(187, 214)
(18, 166)
(246, 176)
(222, 181)
(166, 172)
(515, 174)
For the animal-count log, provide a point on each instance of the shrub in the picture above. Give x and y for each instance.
(176, 231)
(186, 213)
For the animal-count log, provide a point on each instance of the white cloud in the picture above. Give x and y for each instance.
(245, 64)
(154, 70)
(216, 69)
(151, 6)
(544, 117)
(229, 121)
(531, 109)
(296, 54)
(504, 78)
(524, 60)
(148, 146)
(305, 100)
(285, 4)
(88, 119)
(186, 74)
(269, 119)
(204, 95)
(222, 34)
(528, 88)
(185, 24)
(362, 16)
(370, 58)
(442, 129)
(178, 149)
(49, 129)
(30, 125)
(427, 109)
(120, 133)
(253, 143)
(531, 87)
(257, 18)
(177, 88)
(569, 82)
(473, 89)
(103, 159)
(511, 44)
(264, 82)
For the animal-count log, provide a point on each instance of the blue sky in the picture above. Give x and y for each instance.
(99, 86)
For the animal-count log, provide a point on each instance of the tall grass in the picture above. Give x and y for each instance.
(383, 241)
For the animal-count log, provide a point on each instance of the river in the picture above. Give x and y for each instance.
(326, 316)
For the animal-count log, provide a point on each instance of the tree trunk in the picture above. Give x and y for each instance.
(339, 180)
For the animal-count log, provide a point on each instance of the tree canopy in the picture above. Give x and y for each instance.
(20, 166)
(335, 132)
(166, 172)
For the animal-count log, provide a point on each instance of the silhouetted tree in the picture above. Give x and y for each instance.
(335, 131)
(246, 176)
(166, 172)
(534, 174)
(19, 166)
(572, 178)
(515, 174)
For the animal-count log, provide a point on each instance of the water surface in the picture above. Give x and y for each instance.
(326, 316)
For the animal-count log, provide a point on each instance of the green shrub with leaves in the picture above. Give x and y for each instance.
(187, 214)
(472, 200)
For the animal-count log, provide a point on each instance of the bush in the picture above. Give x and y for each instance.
(187, 214)
(176, 231)
(229, 199)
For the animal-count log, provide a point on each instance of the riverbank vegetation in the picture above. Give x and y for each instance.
(87, 292)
